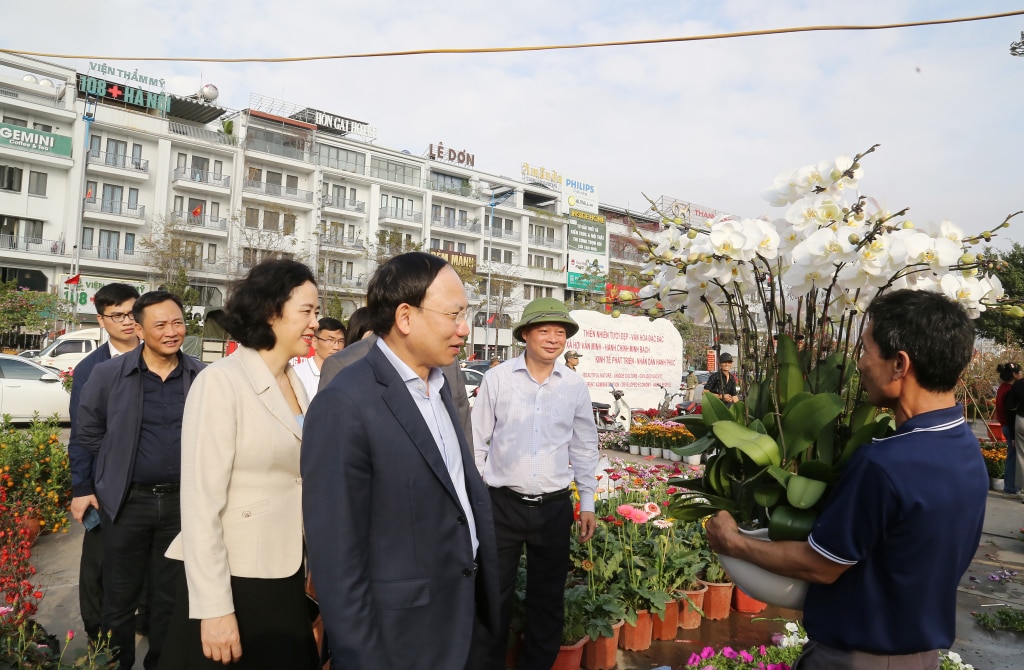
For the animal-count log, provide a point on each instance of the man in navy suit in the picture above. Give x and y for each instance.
(397, 519)
(113, 305)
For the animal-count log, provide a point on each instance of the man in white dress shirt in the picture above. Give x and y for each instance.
(534, 433)
(329, 338)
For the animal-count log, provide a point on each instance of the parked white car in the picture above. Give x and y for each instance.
(69, 349)
(472, 378)
(27, 388)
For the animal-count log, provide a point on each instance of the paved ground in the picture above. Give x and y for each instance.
(56, 559)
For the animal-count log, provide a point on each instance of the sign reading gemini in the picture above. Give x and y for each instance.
(34, 140)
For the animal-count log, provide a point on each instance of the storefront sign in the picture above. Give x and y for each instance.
(542, 175)
(451, 155)
(84, 292)
(107, 72)
(586, 271)
(587, 235)
(135, 97)
(338, 125)
(579, 195)
(632, 353)
(34, 140)
(457, 260)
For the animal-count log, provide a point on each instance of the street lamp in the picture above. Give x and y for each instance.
(498, 196)
(88, 115)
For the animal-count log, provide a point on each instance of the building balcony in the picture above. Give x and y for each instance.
(456, 225)
(336, 281)
(503, 233)
(203, 224)
(278, 193)
(543, 274)
(544, 241)
(95, 252)
(283, 154)
(117, 165)
(462, 191)
(34, 245)
(114, 211)
(342, 166)
(342, 244)
(203, 135)
(401, 217)
(50, 105)
(357, 207)
(202, 181)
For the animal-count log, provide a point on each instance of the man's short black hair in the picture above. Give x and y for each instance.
(403, 279)
(260, 296)
(154, 298)
(935, 332)
(113, 294)
(358, 324)
(331, 324)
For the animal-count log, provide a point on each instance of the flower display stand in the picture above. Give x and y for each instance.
(717, 601)
(637, 637)
(690, 618)
(600, 654)
(569, 657)
(665, 629)
(741, 602)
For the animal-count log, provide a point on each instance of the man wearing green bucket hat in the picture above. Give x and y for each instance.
(534, 434)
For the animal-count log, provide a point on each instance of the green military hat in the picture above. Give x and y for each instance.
(545, 310)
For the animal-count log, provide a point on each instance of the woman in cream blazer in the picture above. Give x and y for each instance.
(243, 600)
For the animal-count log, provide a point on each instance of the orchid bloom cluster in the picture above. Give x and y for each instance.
(831, 252)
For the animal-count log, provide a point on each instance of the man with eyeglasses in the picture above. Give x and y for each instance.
(113, 304)
(129, 420)
(397, 520)
(329, 338)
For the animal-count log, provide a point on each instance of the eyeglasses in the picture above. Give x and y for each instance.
(457, 317)
(119, 317)
(330, 340)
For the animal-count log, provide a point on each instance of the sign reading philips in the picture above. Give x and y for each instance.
(35, 140)
(579, 195)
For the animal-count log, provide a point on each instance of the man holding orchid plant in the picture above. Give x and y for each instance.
(889, 548)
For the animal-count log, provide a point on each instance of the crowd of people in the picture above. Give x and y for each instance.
(228, 506)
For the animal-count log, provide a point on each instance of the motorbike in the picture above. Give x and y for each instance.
(618, 415)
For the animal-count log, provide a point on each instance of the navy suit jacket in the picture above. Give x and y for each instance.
(82, 460)
(389, 547)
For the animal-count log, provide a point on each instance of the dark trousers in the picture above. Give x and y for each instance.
(134, 549)
(818, 656)
(544, 530)
(90, 582)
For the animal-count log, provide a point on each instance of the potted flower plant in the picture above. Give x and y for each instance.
(773, 456)
(574, 633)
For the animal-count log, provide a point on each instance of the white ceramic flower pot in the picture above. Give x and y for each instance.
(995, 484)
(765, 586)
(634, 449)
(645, 451)
(693, 460)
(674, 457)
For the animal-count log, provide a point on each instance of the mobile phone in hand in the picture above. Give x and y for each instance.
(91, 518)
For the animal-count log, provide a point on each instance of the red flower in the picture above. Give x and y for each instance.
(671, 490)
(615, 476)
(633, 471)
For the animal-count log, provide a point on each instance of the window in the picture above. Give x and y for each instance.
(200, 168)
(449, 245)
(117, 151)
(95, 142)
(291, 185)
(352, 195)
(129, 244)
(37, 183)
(43, 127)
(398, 204)
(274, 183)
(449, 215)
(435, 212)
(252, 217)
(495, 255)
(179, 204)
(394, 171)
(271, 220)
(109, 242)
(19, 370)
(182, 161)
(111, 199)
(463, 216)
(383, 200)
(341, 159)
(349, 268)
(218, 172)
(461, 247)
(133, 198)
(214, 211)
(15, 121)
(137, 156)
(196, 205)
(507, 257)
(211, 253)
(32, 231)
(87, 238)
(255, 174)
(90, 191)
(289, 224)
(10, 178)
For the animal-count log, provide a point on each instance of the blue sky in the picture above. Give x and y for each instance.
(709, 122)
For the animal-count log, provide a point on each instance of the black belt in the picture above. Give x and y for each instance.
(158, 489)
(534, 500)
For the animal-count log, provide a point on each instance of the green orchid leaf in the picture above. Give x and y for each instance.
(769, 424)
(804, 492)
(816, 469)
(697, 447)
(791, 383)
(757, 426)
(862, 415)
(755, 398)
(786, 351)
(789, 523)
(739, 411)
(802, 423)
(881, 427)
(767, 493)
(780, 475)
(825, 378)
(714, 410)
(825, 442)
(761, 448)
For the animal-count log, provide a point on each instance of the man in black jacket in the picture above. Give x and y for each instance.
(722, 382)
(129, 420)
(113, 305)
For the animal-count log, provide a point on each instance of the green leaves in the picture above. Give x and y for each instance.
(805, 417)
(804, 492)
(761, 448)
(789, 523)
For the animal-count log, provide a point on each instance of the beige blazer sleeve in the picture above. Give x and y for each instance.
(241, 494)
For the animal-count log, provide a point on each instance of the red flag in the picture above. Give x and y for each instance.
(88, 194)
(198, 211)
(74, 280)
(491, 319)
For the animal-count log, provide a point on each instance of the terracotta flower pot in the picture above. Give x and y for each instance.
(569, 657)
(637, 637)
(601, 654)
(689, 618)
(717, 600)
(665, 629)
(741, 602)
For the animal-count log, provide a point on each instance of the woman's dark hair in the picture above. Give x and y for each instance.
(358, 324)
(403, 279)
(935, 332)
(154, 298)
(260, 296)
(1006, 371)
